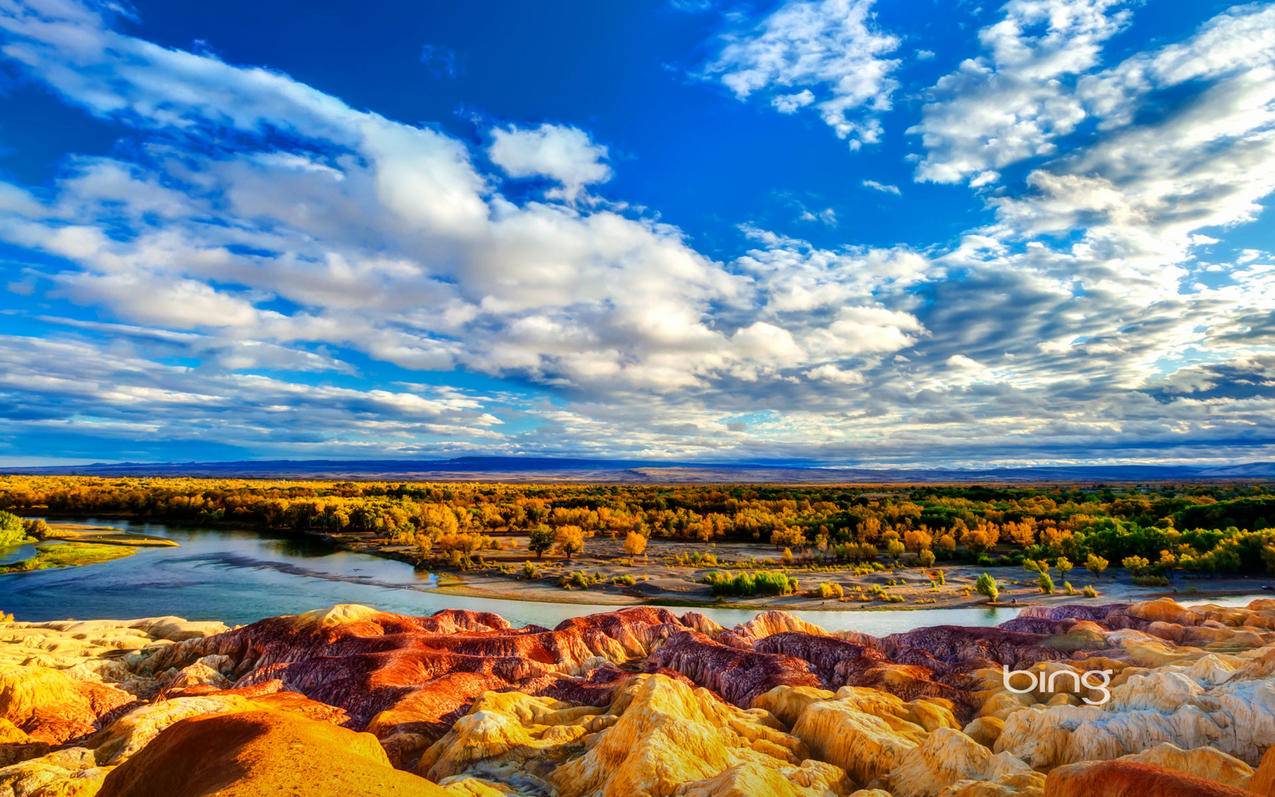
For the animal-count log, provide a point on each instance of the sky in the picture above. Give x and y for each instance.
(810, 231)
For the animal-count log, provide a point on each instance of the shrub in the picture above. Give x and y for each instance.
(767, 582)
(1150, 580)
(12, 531)
(828, 590)
(1136, 564)
(1089, 591)
(578, 579)
(37, 528)
(986, 585)
(925, 558)
(1046, 583)
(530, 571)
(624, 581)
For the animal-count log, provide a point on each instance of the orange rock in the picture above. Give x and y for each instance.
(51, 706)
(1129, 779)
(262, 754)
(1263, 781)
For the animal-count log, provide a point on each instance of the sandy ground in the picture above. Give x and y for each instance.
(662, 579)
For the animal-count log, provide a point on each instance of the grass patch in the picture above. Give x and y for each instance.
(69, 554)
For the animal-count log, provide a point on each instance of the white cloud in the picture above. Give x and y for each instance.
(884, 188)
(1016, 101)
(563, 154)
(1083, 320)
(825, 54)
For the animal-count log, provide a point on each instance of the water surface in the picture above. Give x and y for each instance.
(242, 576)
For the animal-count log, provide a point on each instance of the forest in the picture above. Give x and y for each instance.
(1149, 529)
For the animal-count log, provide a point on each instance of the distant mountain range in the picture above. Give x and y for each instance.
(618, 470)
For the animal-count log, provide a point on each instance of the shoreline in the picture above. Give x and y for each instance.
(495, 587)
(662, 583)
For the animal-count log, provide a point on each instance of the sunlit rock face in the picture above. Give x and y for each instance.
(1131, 779)
(641, 702)
(246, 754)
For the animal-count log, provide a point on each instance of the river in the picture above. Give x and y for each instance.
(242, 576)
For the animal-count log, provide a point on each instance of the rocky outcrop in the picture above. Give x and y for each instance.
(641, 702)
(51, 706)
(260, 753)
(738, 675)
(669, 738)
(1131, 779)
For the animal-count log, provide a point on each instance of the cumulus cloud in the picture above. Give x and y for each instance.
(565, 155)
(824, 54)
(1015, 101)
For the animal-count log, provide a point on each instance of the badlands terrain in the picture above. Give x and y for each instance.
(639, 703)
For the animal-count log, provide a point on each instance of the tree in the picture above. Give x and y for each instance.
(894, 549)
(1095, 564)
(12, 531)
(539, 540)
(986, 585)
(570, 540)
(634, 544)
(925, 558)
(1064, 566)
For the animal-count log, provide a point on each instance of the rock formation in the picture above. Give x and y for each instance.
(351, 701)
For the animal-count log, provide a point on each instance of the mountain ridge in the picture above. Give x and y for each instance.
(496, 468)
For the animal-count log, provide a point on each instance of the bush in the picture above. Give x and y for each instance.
(828, 590)
(579, 579)
(624, 581)
(1148, 580)
(12, 531)
(37, 529)
(986, 585)
(1089, 591)
(768, 582)
(1136, 564)
(1045, 583)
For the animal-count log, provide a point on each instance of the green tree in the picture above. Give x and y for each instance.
(986, 585)
(540, 540)
(1064, 566)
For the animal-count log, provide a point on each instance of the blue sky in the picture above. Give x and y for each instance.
(819, 230)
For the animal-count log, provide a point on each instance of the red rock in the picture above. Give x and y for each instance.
(737, 675)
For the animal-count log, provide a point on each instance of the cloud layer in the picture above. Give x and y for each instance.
(263, 248)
